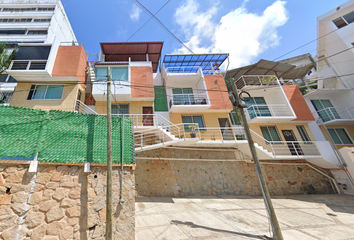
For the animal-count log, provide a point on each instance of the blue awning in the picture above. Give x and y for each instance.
(179, 63)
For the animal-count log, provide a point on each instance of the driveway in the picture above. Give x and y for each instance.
(301, 217)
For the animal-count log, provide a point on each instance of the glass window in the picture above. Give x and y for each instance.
(325, 109)
(270, 133)
(339, 22)
(120, 108)
(49, 92)
(303, 134)
(183, 96)
(193, 119)
(257, 107)
(349, 17)
(119, 73)
(235, 118)
(340, 136)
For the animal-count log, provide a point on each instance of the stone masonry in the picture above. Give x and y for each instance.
(62, 202)
(222, 176)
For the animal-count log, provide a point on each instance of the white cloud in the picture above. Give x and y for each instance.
(241, 33)
(135, 13)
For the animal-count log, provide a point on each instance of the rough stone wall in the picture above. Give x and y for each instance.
(63, 202)
(224, 177)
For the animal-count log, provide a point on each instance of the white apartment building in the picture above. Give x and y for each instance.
(38, 28)
(333, 102)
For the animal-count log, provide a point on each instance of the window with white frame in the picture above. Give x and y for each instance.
(117, 73)
(191, 120)
(344, 20)
(45, 92)
(304, 136)
(340, 136)
(120, 108)
(270, 133)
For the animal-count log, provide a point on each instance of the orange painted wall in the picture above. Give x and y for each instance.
(298, 103)
(218, 95)
(70, 61)
(142, 82)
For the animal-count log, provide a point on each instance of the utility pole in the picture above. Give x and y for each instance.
(277, 235)
(109, 160)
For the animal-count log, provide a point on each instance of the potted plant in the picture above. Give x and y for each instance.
(192, 127)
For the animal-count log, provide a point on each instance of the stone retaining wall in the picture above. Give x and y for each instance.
(62, 202)
(224, 176)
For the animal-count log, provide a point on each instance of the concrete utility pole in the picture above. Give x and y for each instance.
(109, 160)
(277, 235)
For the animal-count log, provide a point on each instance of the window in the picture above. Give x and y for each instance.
(257, 107)
(120, 109)
(270, 133)
(183, 96)
(193, 119)
(37, 32)
(340, 136)
(344, 20)
(303, 134)
(49, 92)
(325, 110)
(117, 73)
(12, 31)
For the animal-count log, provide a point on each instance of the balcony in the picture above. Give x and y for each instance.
(180, 76)
(256, 81)
(27, 65)
(337, 115)
(269, 113)
(183, 103)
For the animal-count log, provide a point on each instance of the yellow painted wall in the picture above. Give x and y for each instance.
(211, 121)
(348, 128)
(67, 102)
(134, 107)
(284, 126)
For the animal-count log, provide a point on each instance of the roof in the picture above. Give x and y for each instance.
(207, 62)
(262, 67)
(136, 51)
(304, 64)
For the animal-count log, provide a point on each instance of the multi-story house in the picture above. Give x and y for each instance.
(48, 71)
(332, 102)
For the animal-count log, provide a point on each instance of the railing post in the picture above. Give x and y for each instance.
(28, 65)
(141, 140)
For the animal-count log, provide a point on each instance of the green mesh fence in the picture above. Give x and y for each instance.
(59, 136)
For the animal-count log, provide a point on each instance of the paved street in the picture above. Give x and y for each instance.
(302, 217)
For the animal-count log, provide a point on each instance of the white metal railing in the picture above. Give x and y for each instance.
(269, 110)
(81, 107)
(256, 80)
(286, 148)
(188, 70)
(28, 65)
(335, 113)
(187, 99)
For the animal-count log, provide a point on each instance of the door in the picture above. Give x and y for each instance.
(148, 118)
(226, 130)
(294, 147)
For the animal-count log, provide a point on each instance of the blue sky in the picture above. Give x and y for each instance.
(247, 29)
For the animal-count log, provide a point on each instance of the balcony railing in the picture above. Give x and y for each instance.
(286, 148)
(183, 70)
(256, 81)
(269, 110)
(187, 99)
(332, 113)
(28, 65)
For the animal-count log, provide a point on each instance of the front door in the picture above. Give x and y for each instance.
(148, 118)
(294, 147)
(226, 130)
